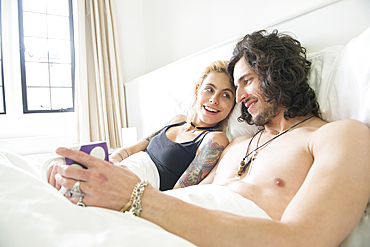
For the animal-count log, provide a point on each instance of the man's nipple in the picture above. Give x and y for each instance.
(279, 182)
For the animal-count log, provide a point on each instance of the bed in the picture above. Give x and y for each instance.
(34, 214)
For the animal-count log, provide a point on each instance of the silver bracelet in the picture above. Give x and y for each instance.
(136, 203)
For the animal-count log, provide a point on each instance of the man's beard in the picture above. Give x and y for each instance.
(263, 117)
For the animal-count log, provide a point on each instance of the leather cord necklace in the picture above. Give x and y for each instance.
(243, 165)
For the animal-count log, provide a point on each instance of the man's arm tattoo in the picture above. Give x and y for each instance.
(203, 163)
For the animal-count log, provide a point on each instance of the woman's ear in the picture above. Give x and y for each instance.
(196, 90)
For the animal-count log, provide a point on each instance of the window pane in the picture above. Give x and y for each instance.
(34, 25)
(38, 6)
(61, 98)
(59, 51)
(36, 49)
(60, 75)
(58, 27)
(59, 7)
(38, 99)
(37, 74)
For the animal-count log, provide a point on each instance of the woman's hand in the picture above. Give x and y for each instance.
(52, 170)
(104, 184)
(114, 161)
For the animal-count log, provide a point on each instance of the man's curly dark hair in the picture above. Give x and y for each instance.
(281, 65)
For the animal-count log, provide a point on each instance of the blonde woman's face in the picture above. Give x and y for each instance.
(215, 99)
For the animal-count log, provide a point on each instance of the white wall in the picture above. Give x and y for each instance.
(155, 33)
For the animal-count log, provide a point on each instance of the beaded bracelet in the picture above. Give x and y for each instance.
(136, 198)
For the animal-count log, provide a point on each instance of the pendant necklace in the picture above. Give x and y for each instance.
(252, 155)
(202, 128)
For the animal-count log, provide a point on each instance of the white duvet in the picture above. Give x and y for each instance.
(33, 213)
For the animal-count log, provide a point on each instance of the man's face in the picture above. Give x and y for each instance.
(249, 93)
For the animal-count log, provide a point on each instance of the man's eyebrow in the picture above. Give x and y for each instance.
(243, 76)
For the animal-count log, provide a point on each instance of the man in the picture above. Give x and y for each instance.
(311, 177)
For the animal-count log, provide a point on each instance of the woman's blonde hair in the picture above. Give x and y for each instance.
(217, 66)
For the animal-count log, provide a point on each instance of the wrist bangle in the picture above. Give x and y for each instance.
(137, 196)
(128, 205)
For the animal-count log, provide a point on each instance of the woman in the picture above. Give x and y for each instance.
(185, 151)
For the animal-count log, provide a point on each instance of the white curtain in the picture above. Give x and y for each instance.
(100, 99)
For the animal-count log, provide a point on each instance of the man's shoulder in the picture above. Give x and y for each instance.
(240, 139)
(343, 125)
(342, 131)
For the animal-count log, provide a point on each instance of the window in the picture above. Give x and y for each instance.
(46, 55)
(2, 92)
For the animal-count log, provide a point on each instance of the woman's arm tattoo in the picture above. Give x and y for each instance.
(149, 138)
(203, 163)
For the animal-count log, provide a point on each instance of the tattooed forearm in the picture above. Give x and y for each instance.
(203, 163)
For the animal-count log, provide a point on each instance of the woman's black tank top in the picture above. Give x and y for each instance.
(172, 158)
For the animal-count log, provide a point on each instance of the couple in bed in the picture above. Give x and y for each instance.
(308, 179)
(186, 150)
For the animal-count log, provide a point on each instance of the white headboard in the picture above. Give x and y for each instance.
(153, 99)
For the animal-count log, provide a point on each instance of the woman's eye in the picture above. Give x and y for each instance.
(226, 95)
(209, 89)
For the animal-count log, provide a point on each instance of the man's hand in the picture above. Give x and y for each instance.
(104, 184)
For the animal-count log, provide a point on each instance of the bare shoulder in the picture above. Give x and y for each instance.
(341, 148)
(178, 118)
(240, 139)
(218, 137)
(341, 140)
(346, 132)
(346, 124)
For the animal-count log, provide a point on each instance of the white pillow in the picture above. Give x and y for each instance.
(236, 128)
(341, 78)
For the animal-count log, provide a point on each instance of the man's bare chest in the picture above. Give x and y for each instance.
(285, 158)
